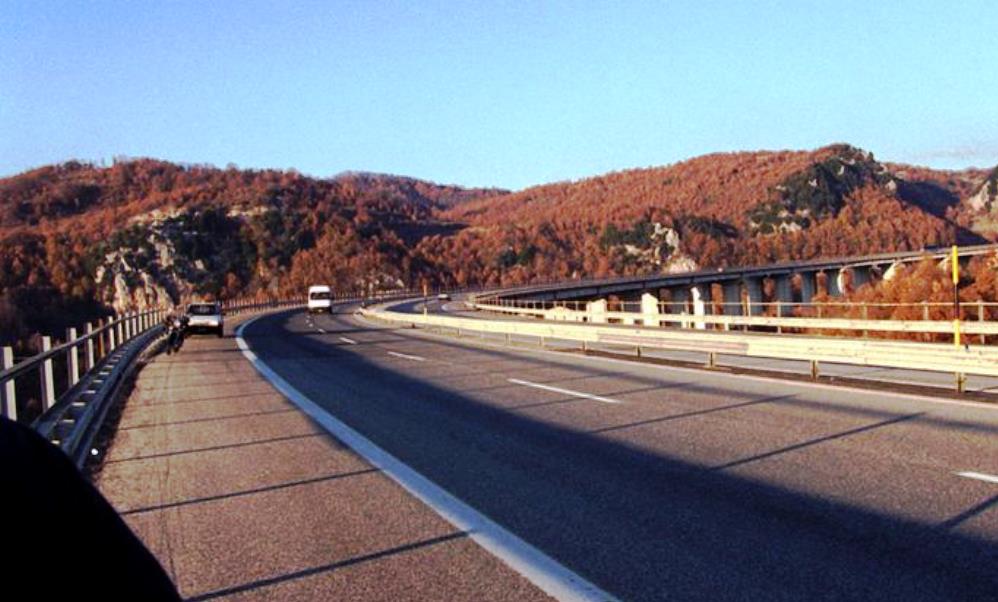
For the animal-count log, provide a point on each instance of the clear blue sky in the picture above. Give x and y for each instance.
(503, 94)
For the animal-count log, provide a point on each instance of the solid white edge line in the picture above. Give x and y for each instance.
(527, 383)
(406, 356)
(980, 476)
(540, 569)
(766, 379)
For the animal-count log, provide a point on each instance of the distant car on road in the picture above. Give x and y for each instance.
(443, 297)
(320, 299)
(206, 317)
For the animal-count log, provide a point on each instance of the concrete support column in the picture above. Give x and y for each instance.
(597, 311)
(698, 295)
(891, 271)
(732, 298)
(753, 287)
(784, 294)
(834, 281)
(861, 275)
(649, 310)
(678, 298)
(808, 286)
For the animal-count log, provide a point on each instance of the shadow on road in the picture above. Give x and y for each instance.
(639, 524)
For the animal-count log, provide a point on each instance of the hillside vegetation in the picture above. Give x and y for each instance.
(78, 239)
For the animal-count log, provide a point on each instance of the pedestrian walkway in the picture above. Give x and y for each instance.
(241, 496)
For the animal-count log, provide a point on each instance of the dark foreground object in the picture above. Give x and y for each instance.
(60, 536)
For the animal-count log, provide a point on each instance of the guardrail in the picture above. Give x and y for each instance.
(938, 357)
(95, 363)
(239, 306)
(73, 405)
(784, 317)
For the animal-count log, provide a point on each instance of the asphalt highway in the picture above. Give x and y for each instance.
(659, 482)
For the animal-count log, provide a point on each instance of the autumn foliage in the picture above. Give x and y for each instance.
(235, 232)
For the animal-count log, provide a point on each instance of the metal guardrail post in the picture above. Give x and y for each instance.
(48, 383)
(72, 358)
(115, 331)
(980, 318)
(102, 340)
(88, 356)
(8, 394)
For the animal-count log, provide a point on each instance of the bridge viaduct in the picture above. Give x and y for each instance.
(742, 290)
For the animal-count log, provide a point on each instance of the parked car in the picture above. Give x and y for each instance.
(206, 317)
(443, 297)
(320, 299)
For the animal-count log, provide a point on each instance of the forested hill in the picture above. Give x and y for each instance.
(727, 209)
(76, 239)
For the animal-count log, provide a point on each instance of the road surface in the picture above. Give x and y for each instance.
(667, 483)
(242, 497)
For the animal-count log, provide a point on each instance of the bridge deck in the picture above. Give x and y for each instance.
(240, 495)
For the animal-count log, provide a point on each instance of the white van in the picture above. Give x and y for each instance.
(320, 299)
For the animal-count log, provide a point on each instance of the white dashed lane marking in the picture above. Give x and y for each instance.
(527, 383)
(980, 476)
(406, 356)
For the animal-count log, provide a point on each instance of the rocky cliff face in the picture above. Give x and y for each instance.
(819, 191)
(984, 198)
(145, 265)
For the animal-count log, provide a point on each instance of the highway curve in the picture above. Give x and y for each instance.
(664, 483)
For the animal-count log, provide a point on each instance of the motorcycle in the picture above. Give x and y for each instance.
(175, 331)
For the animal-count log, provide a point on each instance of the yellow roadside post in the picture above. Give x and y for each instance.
(956, 297)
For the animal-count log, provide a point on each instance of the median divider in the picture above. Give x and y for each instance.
(935, 357)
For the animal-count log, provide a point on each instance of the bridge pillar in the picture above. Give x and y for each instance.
(808, 286)
(699, 306)
(596, 311)
(679, 297)
(861, 275)
(892, 271)
(753, 286)
(784, 293)
(833, 283)
(732, 293)
(649, 310)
